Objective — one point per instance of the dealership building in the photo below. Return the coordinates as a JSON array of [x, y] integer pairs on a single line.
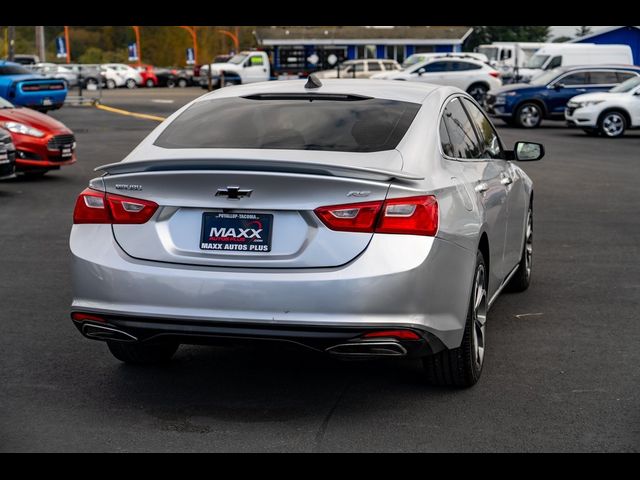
[[616, 36], [291, 48]]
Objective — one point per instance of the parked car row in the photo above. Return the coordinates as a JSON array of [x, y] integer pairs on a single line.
[[603, 99]]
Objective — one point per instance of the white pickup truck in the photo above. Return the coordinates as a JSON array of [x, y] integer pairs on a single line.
[[244, 67]]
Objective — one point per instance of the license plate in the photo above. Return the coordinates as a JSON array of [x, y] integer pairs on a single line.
[[46, 101], [66, 152], [236, 232]]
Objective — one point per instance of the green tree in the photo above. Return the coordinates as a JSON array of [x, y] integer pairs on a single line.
[[91, 55], [489, 34], [561, 39]]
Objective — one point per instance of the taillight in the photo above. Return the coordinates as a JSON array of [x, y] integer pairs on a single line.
[[494, 73], [400, 334], [93, 206], [83, 317], [409, 216]]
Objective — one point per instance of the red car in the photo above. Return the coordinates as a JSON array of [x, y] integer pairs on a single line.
[[42, 143], [148, 75]]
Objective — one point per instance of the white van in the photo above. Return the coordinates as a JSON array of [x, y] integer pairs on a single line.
[[507, 55], [570, 54]]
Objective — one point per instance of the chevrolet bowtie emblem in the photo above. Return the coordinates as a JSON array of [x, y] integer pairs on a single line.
[[233, 193]]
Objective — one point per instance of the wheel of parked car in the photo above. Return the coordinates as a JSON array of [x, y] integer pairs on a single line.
[[612, 124], [141, 353], [171, 83], [111, 84], [149, 83], [522, 278], [529, 115], [478, 91], [130, 83], [461, 367], [90, 81], [182, 82]]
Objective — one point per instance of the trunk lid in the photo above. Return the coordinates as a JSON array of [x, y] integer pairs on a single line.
[[287, 191]]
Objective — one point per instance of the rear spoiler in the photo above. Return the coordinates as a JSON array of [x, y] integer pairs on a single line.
[[256, 165]]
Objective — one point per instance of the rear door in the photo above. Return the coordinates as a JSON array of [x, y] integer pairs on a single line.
[[482, 176]]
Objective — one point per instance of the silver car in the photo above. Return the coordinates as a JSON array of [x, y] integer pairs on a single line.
[[360, 218]]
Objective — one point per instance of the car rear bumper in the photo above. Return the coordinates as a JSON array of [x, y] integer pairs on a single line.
[[407, 281]]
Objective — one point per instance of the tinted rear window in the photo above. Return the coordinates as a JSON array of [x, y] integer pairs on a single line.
[[367, 125], [14, 70]]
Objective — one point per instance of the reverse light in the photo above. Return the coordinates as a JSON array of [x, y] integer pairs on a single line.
[[23, 129], [84, 317], [408, 216], [93, 206]]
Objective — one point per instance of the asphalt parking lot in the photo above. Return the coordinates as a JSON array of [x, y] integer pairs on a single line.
[[561, 372]]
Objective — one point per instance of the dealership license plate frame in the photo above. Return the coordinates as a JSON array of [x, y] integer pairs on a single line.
[[238, 221]]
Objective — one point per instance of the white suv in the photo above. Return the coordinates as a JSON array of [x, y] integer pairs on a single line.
[[361, 68], [607, 113], [471, 75], [131, 78]]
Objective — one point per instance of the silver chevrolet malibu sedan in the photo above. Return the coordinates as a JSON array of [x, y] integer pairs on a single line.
[[361, 218]]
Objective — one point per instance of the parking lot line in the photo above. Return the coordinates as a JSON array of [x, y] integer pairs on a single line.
[[132, 114]]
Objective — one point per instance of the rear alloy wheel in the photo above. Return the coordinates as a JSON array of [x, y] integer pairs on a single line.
[[613, 124], [478, 91], [522, 278], [149, 83], [142, 353], [111, 84], [529, 115], [131, 83], [182, 83], [171, 83], [461, 367]]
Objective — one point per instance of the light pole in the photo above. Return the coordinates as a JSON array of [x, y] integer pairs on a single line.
[[136, 29], [66, 42], [12, 39], [232, 37], [194, 37]]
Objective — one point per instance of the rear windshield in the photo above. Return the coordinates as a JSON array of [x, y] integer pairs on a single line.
[[348, 125], [14, 70]]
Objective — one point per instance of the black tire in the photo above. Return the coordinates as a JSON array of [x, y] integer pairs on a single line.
[[182, 82], [461, 367], [130, 83], [171, 83], [522, 278], [142, 353], [149, 83], [478, 91], [612, 124], [529, 115], [111, 84]]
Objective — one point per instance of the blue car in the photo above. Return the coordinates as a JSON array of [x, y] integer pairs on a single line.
[[22, 87], [527, 104]]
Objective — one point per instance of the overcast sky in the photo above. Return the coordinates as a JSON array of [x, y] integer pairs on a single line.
[[570, 31]]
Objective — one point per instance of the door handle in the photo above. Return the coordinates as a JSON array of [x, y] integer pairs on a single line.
[[481, 187], [506, 180]]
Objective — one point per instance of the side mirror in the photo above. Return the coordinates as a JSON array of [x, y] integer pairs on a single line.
[[558, 86], [637, 94], [528, 151], [421, 71]]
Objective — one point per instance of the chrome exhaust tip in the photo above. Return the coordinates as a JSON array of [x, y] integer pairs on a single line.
[[368, 349], [101, 332]]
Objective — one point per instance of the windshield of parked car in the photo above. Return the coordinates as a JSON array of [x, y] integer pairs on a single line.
[[537, 61], [237, 59], [412, 60], [626, 86], [14, 70], [545, 78], [313, 122], [5, 103], [490, 52]]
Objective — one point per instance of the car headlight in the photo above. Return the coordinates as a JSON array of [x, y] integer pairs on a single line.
[[501, 98], [23, 129]]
